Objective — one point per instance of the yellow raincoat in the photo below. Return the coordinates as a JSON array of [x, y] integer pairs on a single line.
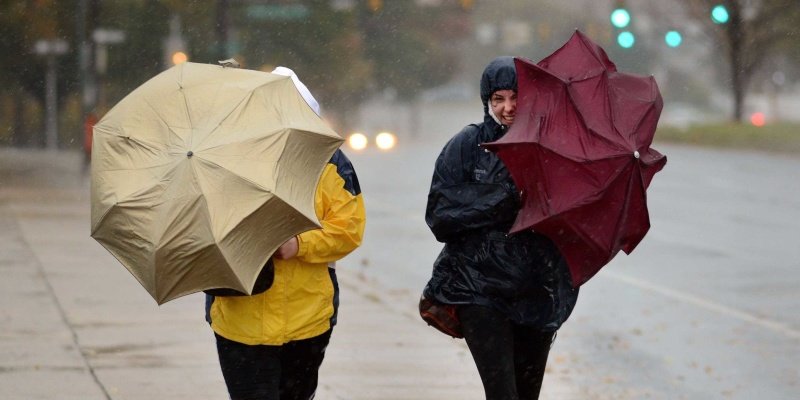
[[303, 299]]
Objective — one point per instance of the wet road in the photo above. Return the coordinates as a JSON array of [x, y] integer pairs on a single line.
[[704, 308]]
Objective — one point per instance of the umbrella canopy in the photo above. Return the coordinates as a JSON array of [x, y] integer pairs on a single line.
[[201, 173], [579, 151]]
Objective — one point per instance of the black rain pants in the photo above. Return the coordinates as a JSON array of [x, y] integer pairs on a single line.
[[261, 372], [510, 358]]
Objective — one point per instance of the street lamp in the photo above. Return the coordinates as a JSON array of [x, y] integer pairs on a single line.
[[104, 37], [51, 48], [174, 45]]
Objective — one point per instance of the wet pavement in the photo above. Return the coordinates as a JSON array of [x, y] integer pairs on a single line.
[[705, 308], [76, 325]]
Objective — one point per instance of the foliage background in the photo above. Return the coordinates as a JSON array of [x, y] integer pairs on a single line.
[[351, 52]]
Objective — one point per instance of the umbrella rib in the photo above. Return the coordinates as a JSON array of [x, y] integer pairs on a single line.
[[136, 169], [244, 101], [594, 55], [188, 113], [255, 184], [155, 111], [583, 121], [225, 144], [605, 72], [247, 180], [143, 143], [236, 176], [185, 272], [186, 103], [223, 119], [625, 209], [636, 128], [616, 176], [639, 123], [594, 194]]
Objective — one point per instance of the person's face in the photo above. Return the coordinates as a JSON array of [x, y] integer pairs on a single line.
[[504, 105]]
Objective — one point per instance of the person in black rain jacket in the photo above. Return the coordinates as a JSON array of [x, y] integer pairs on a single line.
[[512, 292]]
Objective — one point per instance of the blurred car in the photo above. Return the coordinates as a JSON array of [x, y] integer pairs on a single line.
[[384, 141]]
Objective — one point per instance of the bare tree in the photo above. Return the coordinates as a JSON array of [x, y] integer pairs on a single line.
[[753, 31]]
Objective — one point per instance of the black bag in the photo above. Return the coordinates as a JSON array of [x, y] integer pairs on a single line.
[[263, 282], [441, 316]]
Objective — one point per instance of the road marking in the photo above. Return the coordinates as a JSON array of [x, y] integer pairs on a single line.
[[766, 323]]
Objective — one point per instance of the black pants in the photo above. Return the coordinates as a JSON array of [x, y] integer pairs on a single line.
[[261, 372], [510, 358]]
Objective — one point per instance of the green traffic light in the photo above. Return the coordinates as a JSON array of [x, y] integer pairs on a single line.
[[620, 18], [626, 39], [673, 38], [719, 14]]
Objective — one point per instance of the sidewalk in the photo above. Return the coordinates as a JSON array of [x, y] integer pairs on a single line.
[[76, 325]]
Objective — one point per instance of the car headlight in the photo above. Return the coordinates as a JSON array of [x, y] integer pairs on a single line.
[[357, 141], [385, 141]]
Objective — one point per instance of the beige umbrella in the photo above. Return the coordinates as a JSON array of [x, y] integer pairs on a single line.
[[201, 173]]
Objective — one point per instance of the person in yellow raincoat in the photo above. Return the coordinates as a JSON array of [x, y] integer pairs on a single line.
[[271, 344]]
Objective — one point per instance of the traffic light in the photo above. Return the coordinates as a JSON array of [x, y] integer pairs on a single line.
[[620, 17], [626, 39], [673, 38], [719, 14]]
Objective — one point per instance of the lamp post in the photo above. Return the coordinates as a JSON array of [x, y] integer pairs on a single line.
[[102, 38], [51, 48], [174, 45]]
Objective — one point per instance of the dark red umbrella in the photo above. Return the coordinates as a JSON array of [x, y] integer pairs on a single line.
[[579, 151]]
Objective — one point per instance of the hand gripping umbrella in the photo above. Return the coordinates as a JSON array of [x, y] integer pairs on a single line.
[[579, 151], [201, 173]]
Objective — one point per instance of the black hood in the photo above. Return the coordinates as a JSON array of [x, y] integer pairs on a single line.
[[500, 74]]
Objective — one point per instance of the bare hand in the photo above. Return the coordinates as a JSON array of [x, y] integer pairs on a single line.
[[287, 250]]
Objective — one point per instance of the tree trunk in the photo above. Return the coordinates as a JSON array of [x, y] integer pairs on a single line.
[[739, 71], [738, 86]]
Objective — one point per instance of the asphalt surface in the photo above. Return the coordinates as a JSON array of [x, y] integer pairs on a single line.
[[704, 308], [74, 324]]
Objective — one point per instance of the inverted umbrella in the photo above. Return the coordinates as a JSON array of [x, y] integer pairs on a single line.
[[579, 151], [201, 173]]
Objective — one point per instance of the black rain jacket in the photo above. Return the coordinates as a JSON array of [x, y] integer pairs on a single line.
[[471, 206]]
